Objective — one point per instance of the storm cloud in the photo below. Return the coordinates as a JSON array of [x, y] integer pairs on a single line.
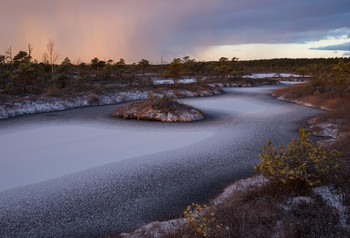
[[135, 29], [342, 47]]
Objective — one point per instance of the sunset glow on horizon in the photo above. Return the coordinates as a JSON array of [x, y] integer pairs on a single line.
[[202, 29]]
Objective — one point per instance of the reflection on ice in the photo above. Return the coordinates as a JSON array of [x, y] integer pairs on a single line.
[[226, 105]]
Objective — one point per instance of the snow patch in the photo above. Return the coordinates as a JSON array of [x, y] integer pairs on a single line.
[[273, 75], [292, 202], [170, 81], [241, 185], [327, 129], [156, 229], [334, 200]]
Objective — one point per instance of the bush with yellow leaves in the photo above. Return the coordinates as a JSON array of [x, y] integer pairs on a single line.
[[302, 162], [201, 220]]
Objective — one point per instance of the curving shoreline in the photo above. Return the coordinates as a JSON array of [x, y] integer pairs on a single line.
[[52, 104]]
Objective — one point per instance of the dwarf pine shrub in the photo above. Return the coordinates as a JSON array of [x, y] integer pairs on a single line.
[[301, 162], [201, 220]]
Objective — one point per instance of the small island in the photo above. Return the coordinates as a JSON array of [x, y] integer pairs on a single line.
[[158, 109]]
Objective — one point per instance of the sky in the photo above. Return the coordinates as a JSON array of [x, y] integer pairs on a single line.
[[155, 29]]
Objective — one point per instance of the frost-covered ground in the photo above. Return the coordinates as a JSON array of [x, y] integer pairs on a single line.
[[274, 75], [100, 175]]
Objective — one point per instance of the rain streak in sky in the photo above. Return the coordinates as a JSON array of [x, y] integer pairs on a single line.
[[203, 29]]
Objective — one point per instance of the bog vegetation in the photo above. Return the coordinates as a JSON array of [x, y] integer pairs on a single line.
[[302, 162]]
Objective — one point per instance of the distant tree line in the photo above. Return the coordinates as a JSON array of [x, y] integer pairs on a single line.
[[21, 75]]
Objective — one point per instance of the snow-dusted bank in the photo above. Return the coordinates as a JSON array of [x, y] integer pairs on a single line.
[[274, 75], [51, 104], [159, 229]]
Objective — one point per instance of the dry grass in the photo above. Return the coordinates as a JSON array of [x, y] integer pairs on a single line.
[[339, 107]]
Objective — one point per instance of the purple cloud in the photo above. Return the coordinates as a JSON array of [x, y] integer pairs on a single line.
[[340, 47]]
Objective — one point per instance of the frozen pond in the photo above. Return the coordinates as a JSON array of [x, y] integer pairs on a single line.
[[82, 173]]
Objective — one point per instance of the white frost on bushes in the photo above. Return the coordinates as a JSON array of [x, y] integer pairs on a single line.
[[334, 200]]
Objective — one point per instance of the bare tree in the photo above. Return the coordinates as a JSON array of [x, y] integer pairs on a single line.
[[50, 56], [8, 53], [30, 50]]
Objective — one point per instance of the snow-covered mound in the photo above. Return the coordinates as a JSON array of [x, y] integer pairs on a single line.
[[158, 109]]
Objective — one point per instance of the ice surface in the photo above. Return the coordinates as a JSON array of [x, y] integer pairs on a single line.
[[33, 155], [272, 75], [292, 82], [229, 104], [170, 81]]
